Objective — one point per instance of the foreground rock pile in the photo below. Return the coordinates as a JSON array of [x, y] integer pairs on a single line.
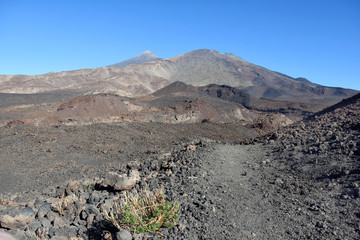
[[324, 146], [319, 162], [76, 210]]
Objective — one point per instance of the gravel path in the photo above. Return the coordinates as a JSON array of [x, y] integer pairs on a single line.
[[256, 196], [240, 186], [247, 203]]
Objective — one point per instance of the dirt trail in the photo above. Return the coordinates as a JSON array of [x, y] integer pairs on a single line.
[[256, 198], [243, 205]]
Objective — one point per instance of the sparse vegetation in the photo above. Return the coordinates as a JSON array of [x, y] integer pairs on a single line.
[[4, 202], [63, 203], [144, 212]]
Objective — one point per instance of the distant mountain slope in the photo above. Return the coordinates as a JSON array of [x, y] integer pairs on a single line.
[[203, 67], [142, 58], [232, 94], [196, 68], [123, 81]]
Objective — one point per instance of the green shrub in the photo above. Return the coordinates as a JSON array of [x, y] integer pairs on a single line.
[[144, 212]]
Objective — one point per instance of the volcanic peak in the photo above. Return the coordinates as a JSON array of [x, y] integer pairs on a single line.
[[145, 57]]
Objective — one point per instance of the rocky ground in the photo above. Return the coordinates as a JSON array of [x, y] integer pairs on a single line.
[[37, 157], [301, 182]]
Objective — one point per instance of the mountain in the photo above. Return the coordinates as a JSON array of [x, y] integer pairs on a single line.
[[142, 58], [203, 67], [196, 68]]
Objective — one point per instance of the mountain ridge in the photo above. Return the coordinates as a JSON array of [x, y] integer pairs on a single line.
[[197, 68]]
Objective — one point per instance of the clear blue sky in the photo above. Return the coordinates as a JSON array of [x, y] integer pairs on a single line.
[[316, 39]]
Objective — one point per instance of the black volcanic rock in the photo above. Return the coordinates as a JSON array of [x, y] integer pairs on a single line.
[[319, 162], [228, 93], [325, 145]]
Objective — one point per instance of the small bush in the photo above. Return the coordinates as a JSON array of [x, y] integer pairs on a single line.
[[144, 212]]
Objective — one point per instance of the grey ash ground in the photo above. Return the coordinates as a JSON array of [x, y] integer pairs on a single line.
[[301, 182]]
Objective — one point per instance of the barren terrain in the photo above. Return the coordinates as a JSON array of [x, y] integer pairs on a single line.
[[300, 182], [36, 157]]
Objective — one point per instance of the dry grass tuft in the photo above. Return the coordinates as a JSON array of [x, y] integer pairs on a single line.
[[41, 234], [64, 202]]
